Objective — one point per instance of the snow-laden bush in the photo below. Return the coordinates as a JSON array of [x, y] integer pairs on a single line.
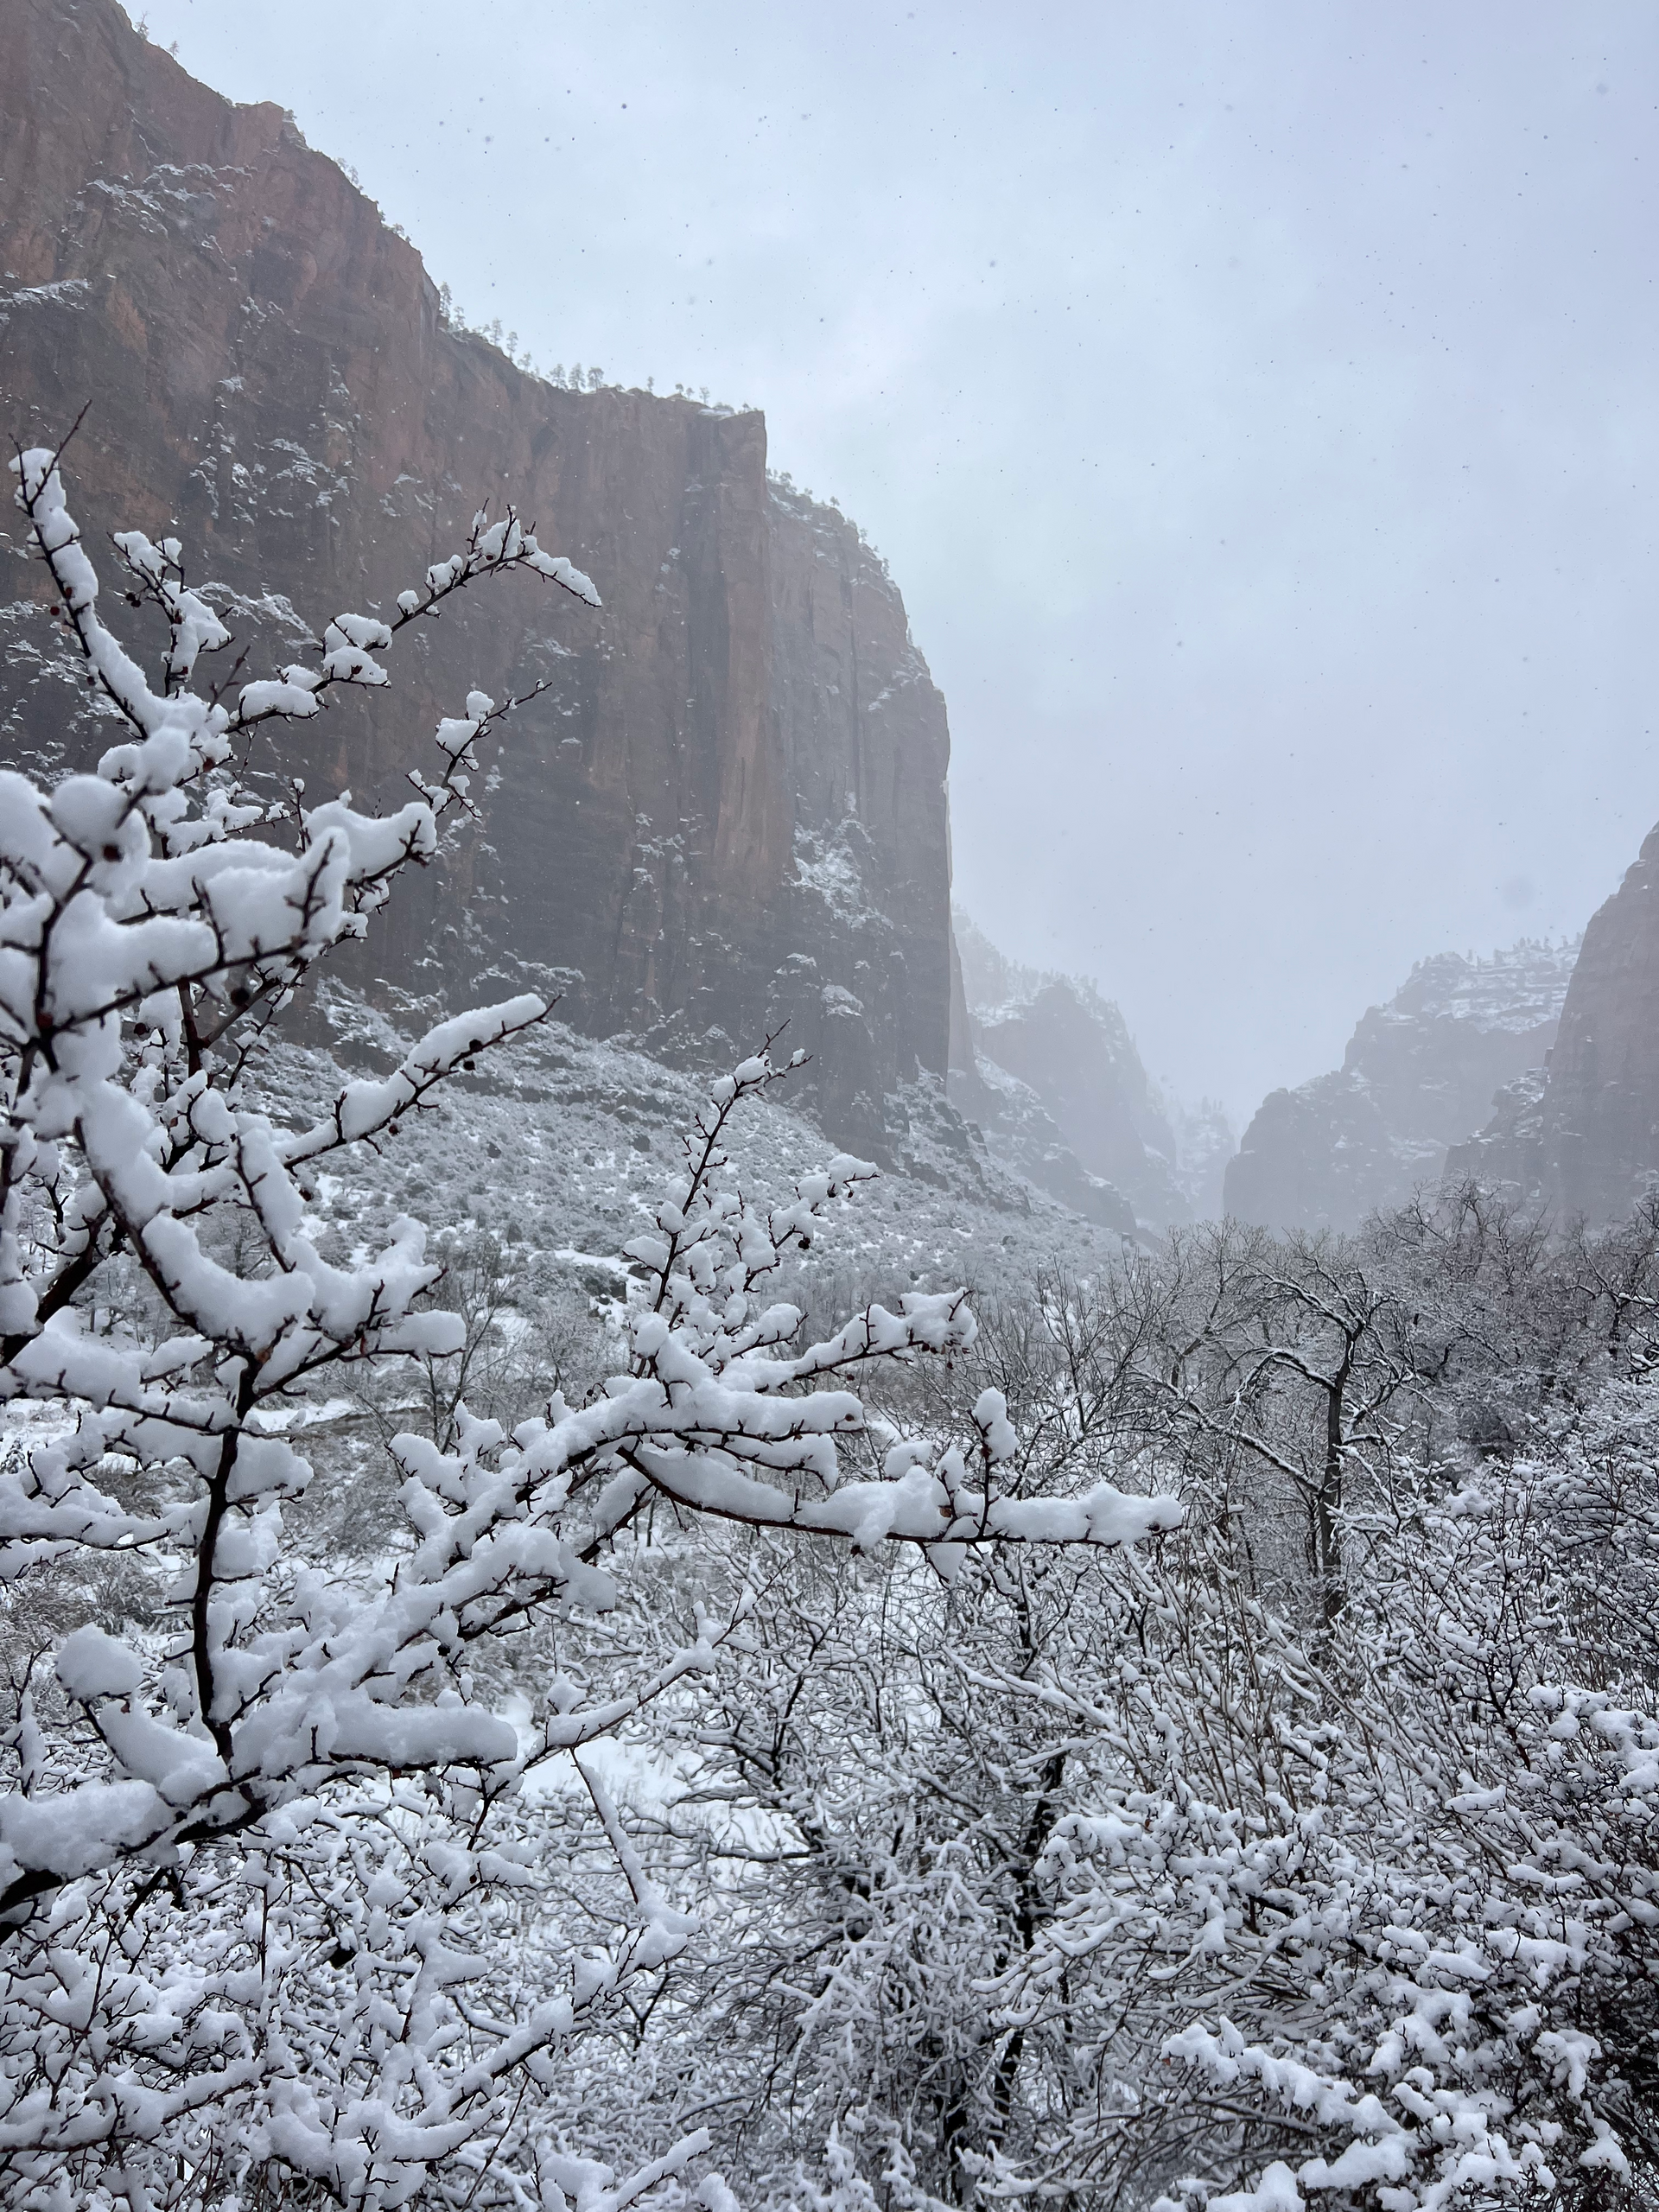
[[1376, 1924], [275, 1870], [1096, 1878]]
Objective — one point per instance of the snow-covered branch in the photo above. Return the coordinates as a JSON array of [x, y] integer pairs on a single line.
[[260, 1837]]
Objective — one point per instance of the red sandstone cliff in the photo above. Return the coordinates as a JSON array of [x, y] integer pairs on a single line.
[[730, 806]]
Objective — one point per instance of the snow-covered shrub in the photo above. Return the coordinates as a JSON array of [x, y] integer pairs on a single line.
[[1094, 1878], [277, 1831], [1396, 1911]]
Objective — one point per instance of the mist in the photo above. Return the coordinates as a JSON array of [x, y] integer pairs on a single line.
[[1253, 404], [674, 1535]]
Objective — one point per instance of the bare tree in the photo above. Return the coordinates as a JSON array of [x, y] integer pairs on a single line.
[[264, 1851]]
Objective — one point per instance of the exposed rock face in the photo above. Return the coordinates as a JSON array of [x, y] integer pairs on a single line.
[[1586, 1140], [1022, 1134], [1072, 1047], [728, 805], [1418, 1074], [1511, 1152], [1048, 1070]]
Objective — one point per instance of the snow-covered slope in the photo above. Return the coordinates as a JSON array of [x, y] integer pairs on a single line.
[[554, 1147]]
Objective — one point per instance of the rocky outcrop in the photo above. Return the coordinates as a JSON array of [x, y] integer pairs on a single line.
[[1074, 1050], [1511, 1153], [1021, 1135], [1047, 1069], [1419, 1075], [728, 806], [1586, 1141]]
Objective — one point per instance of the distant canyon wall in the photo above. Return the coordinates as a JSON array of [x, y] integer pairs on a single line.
[[1047, 1067], [1534, 1072], [1419, 1075], [729, 805], [1583, 1136]]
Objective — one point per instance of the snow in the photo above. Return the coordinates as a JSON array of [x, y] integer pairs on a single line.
[[91, 1664], [952, 1686], [268, 1700], [828, 868], [1518, 987]]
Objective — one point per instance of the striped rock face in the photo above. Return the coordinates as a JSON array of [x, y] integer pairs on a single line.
[[728, 805]]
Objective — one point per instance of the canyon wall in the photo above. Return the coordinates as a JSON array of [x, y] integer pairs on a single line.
[[1073, 1049], [1047, 1070], [728, 805], [1418, 1074], [1584, 1138]]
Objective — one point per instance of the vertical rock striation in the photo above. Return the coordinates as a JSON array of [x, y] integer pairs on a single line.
[[728, 807]]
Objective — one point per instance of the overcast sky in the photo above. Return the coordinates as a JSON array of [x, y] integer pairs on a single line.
[[1255, 402]]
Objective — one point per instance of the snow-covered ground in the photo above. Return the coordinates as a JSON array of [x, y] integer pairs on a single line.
[[558, 1144]]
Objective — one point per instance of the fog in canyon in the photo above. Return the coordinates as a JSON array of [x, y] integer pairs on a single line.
[[1252, 403]]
